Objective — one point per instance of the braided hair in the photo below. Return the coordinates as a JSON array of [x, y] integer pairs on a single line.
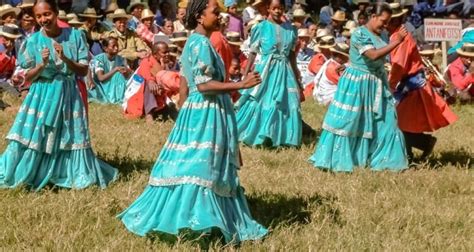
[[193, 12]]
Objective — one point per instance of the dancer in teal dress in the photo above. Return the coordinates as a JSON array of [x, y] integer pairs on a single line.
[[49, 142], [360, 127], [270, 114], [110, 73], [194, 183]]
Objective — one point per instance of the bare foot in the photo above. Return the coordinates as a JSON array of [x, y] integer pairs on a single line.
[[149, 118]]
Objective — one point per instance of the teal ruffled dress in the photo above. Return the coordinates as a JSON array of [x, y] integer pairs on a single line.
[[49, 142], [360, 127], [270, 114], [111, 91], [194, 183]]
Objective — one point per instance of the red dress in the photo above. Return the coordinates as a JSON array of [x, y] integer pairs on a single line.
[[422, 110], [459, 76]]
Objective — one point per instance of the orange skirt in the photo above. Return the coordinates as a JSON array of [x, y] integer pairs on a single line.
[[423, 110]]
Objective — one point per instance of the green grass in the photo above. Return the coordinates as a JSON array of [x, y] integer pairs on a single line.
[[429, 207]]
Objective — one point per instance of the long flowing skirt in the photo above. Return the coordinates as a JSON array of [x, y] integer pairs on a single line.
[[360, 128], [270, 113], [111, 91], [49, 141], [194, 183]]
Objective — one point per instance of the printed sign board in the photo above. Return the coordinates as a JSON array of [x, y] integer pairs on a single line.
[[443, 29]]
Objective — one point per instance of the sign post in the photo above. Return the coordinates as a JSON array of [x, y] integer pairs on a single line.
[[443, 30]]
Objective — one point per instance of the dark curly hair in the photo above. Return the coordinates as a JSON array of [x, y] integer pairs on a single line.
[[194, 10], [378, 8], [51, 3]]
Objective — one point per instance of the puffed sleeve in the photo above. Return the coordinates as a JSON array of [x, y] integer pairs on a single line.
[[255, 38], [361, 41], [82, 48], [203, 62], [26, 57], [98, 64]]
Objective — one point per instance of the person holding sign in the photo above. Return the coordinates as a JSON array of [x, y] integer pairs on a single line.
[[420, 109], [360, 127]]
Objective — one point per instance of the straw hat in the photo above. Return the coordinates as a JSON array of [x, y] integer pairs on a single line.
[[349, 28], [397, 10], [6, 8], [179, 36], [173, 50], [74, 20], [303, 32], [299, 13], [339, 16], [322, 33], [467, 50], [427, 50], [258, 2], [10, 31], [71, 16], [119, 13], [62, 15], [26, 4], [327, 42], [183, 4], [90, 13], [135, 3], [147, 13], [234, 38], [341, 48], [112, 7]]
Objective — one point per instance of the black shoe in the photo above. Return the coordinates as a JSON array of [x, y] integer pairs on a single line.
[[429, 148]]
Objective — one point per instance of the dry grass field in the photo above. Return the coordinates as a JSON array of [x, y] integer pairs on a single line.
[[428, 207]]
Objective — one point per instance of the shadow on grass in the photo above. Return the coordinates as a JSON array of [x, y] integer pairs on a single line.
[[269, 209], [459, 157], [273, 210], [127, 164]]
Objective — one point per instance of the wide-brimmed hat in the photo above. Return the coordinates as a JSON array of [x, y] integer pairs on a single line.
[[322, 32], [90, 13], [397, 10], [349, 28], [111, 7], [135, 3], [339, 16], [183, 4], [26, 4], [327, 42], [467, 50], [74, 20], [173, 50], [258, 2], [70, 16], [119, 13], [147, 13], [303, 32], [427, 50], [340, 48], [62, 15], [234, 38], [299, 13], [179, 36], [6, 8], [10, 31], [362, 2]]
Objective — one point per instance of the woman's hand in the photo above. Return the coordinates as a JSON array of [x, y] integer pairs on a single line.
[[251, 80], [45, 56], [401, 34], [59, 50]]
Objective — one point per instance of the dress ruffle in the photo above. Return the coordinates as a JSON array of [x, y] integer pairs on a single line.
[[111, 91], [172, 209]]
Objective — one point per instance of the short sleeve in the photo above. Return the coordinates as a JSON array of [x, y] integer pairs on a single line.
[[26, 57], [82, 48], [361, 41], [98, 64], [203, 62], [255, 39]]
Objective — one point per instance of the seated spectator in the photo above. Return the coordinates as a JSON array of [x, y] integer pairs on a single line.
[[261, 6], [27, 26], [235, 21], [167, 28], [165, 11], [107, 22], [146, 29], [327, 12], [222, 46], [160, 85], [312, 30], [110, 74], [130, 45], [179, 39], [338, 21], [249, 12], [8, 14], [328, 76], [135, 9], [362, 19], [461, 71], [178, 24], [74, 22], [299, 17], [325, 43], [9, 33], [304, 55], [94, 29], [347, 31]]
